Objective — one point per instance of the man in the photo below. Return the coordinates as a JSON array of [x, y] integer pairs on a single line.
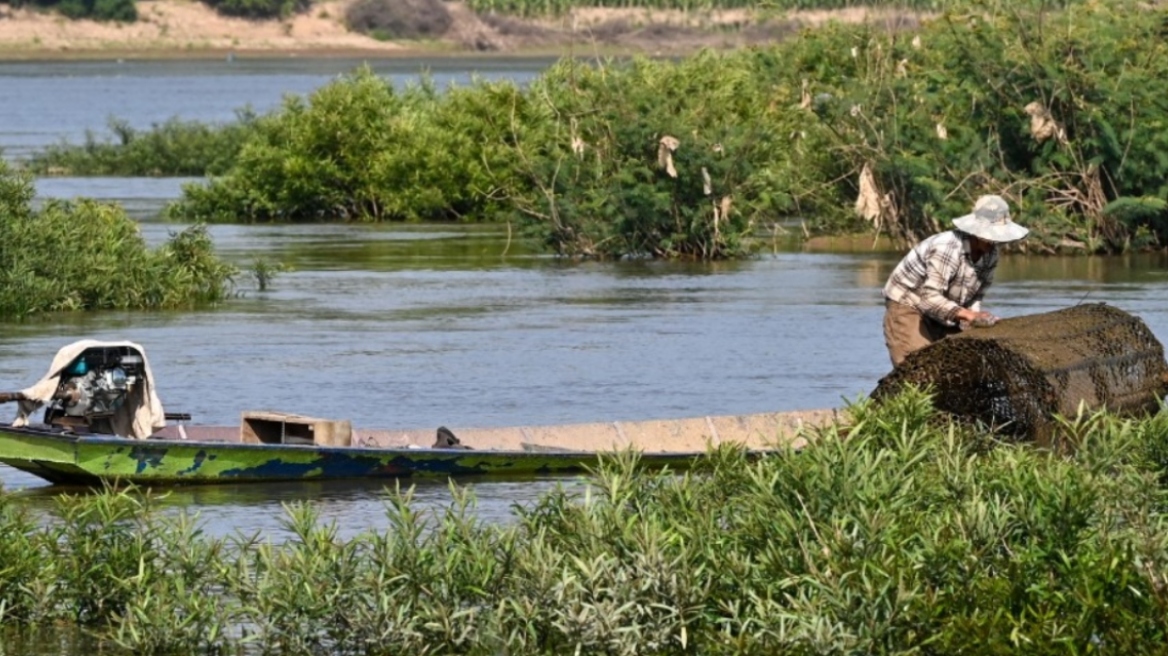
[[939, 285]]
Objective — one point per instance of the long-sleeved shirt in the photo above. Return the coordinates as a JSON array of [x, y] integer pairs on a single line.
[[938, 277]]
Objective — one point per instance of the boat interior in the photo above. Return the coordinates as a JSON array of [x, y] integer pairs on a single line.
[[756, 431]]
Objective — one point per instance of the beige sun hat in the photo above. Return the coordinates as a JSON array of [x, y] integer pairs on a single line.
[[990, 220]]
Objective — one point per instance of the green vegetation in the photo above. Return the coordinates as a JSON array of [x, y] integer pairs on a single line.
[[910, 536], [125, 11], [86, 255], [358, 150], [1055, 110], [259, 9], [175, 148]]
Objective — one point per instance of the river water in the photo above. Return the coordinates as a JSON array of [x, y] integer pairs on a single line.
[[424, 326]]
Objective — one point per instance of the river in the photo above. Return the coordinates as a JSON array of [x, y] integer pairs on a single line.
[[425, 326]]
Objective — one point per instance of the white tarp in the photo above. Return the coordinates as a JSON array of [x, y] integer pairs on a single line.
[[140, 415]]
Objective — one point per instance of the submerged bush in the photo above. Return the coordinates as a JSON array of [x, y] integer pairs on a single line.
[[842, 128], [910, 536], [646, 159], [1052, 109], [357, 150], [85, 255], [174, 148]]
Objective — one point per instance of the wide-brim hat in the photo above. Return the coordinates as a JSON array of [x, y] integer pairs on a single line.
[[990, 220]]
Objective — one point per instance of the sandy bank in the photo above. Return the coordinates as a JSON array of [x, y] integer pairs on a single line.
[[187, 28]]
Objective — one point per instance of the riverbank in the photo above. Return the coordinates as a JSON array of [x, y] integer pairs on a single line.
[[189, 29]]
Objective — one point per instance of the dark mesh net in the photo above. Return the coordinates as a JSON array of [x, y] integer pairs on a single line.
[[1019, 373]]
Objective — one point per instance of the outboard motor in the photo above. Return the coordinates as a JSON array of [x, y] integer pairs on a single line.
[[94, 386]]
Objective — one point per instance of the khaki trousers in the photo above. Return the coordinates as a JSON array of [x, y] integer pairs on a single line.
[[907, 330]]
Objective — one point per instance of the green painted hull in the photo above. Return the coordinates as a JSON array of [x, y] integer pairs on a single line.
[[86, 459]]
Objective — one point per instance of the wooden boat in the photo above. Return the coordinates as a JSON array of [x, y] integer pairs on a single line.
[[221, 454], [77, 442]]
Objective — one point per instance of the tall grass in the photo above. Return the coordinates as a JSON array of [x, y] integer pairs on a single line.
[[906, 535]]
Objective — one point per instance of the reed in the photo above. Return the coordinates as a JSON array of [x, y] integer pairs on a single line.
[[910, 535]]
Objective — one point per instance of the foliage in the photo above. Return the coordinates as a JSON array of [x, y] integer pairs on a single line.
[[125, 11], [399, 19], [1054, 109], [259, 9], [357, 150], [642, 160], [912, 535], [174, 148], [265, 271], [85, 255]]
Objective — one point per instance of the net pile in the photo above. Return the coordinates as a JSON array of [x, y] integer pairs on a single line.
[[1017, 374]]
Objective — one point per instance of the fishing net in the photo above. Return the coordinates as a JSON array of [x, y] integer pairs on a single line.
[[1020, 372]]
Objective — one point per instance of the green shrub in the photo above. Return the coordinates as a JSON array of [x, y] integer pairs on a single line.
[[125, 11], [174, 148], [259, 9], [950, 112], [648, 158], [356, 150], [84, 255], [936, 116]]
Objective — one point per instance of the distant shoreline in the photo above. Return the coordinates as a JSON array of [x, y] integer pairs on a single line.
[[188, 29], [308, 53]]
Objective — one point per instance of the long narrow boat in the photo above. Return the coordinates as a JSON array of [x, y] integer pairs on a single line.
[[103, 422], [203, 454]]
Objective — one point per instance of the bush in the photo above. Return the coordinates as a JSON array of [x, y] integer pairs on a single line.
[[1072, 136], [125, 11], [259, 9], [653, 158], [84, 255], [175, 148], [358, 150], [1063, 131], [399, 19]]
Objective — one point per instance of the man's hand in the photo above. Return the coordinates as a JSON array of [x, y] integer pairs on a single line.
[[969, 318]]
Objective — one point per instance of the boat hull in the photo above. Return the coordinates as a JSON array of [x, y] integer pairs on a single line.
[[210, 454], [73, 459]]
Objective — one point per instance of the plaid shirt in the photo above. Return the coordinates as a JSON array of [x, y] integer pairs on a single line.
[[937, 277]]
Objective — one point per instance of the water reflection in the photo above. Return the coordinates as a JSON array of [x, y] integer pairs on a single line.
[[231, 510]]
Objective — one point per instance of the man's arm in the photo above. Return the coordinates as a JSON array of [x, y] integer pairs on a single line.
[[940, 269]]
